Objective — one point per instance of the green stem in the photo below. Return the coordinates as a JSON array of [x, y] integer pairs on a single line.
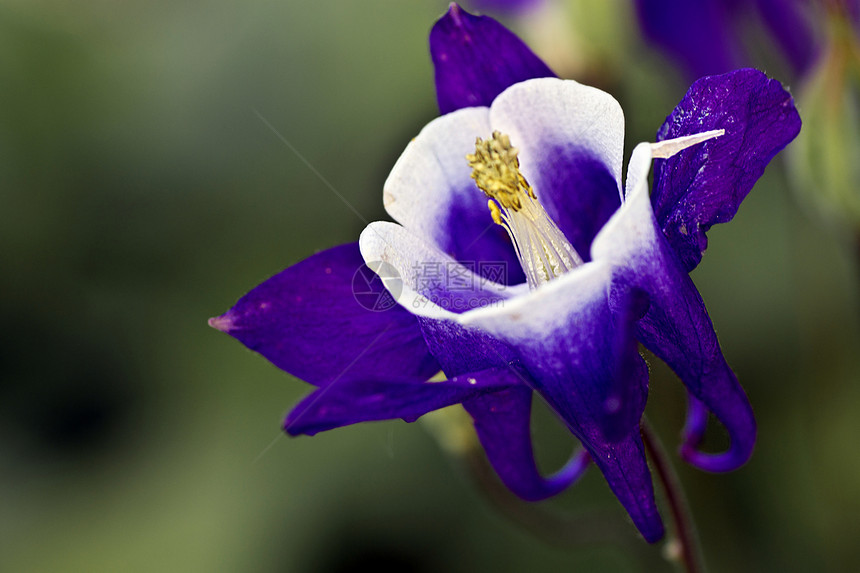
[[685, 531]]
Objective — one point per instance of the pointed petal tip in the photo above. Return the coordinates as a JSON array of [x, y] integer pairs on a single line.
[[455, 14], [654, 533], [223, 323]]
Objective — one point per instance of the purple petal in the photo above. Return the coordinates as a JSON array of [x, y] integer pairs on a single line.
[[705, 184], [348, 402], [695, 33], [327, 318], [677, 329], [503, 423], [476, 58]]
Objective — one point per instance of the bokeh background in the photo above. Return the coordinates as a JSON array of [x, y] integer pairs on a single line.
[[143, 189]]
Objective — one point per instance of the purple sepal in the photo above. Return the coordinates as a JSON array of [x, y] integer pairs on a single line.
[[309, 321], [697, 34], [695, 425], [503, 423], [705, 184], [626, 471], [348, 402], [462, 350], [476, 58], [678, 330]]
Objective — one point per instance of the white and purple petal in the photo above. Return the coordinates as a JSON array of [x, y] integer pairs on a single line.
[[430, 192], [308, 321], [570, 139], [676, 326], [574, 336], [704, 185], [475, 59]]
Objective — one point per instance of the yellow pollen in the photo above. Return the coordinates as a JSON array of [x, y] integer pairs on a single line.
[[495, 212], [496, 171]]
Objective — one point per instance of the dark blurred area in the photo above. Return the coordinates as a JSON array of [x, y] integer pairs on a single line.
[[158, 160]]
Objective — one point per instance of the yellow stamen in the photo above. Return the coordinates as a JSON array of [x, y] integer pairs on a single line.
[[495, 212], [541, 247]]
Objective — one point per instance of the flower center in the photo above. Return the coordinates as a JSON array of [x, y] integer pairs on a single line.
[[542, 249]]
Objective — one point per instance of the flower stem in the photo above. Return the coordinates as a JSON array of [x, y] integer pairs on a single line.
[[685, 531]]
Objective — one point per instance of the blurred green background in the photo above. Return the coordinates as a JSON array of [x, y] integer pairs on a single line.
[[143, 192]]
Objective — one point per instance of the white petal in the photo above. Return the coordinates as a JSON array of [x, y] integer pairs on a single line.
[[631, 230], [432, 174]]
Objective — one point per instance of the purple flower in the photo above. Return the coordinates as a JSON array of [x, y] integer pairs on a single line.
[[704, 36], [597, 267]]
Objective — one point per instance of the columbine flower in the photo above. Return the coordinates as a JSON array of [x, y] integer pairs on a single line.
[[704, 36], [600, 266]]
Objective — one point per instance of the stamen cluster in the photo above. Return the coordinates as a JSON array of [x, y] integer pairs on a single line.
[[542, 249], [496, 171]]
